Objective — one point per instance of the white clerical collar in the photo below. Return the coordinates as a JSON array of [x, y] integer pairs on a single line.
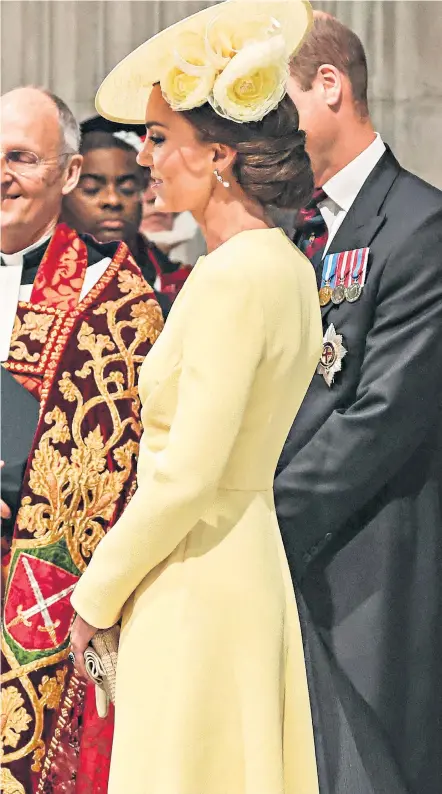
[[344, 186], [17, 258]]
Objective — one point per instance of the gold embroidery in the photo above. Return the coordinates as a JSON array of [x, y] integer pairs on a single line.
[[51, 689], [82, 486], [38, 714], [74, 686], [36, 326], [148, 318], [78, 493], [18, 671], [14, 719], [8, 783], [38, 755], [43, 326], [132, 282]]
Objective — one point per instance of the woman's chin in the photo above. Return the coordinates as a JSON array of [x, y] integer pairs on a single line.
[[161, 205]]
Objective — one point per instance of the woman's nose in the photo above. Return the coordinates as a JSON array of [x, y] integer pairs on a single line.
[[144, 158]]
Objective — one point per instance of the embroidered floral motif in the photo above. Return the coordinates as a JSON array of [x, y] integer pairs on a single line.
[[15, 718], [148, 319], [51, 689], [61, 273], [34, 338], [132, 282], [36, 326], [82, 488], [8, 783]]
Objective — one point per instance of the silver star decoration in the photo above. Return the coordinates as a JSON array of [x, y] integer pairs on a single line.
[[333, 351]]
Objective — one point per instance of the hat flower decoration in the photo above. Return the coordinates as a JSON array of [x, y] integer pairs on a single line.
[[240, 69], [233, 55]]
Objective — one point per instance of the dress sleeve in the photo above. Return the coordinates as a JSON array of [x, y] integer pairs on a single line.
[[222, 348]]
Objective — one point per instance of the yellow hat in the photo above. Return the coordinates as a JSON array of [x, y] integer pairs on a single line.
[[233, 55]]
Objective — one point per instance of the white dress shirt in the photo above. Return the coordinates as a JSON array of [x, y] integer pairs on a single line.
[[344, 186], [12, 290]]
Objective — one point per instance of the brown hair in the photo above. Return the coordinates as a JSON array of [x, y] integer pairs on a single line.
[[271, 163], [329, 41]]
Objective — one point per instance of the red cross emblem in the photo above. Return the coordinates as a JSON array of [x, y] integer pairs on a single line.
[[38, 612], [329, 355]]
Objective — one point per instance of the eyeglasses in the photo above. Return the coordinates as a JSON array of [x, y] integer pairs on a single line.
[[27, 163]]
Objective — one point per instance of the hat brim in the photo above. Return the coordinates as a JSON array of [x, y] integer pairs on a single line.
[[124, 93]]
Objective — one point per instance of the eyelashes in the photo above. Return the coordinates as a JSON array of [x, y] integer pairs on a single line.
[[156, 139]]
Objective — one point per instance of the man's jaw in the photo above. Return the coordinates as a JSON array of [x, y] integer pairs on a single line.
[[18, 235]]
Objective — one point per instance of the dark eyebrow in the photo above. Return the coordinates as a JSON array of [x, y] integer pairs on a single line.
[[101, 178], [150, 124], [133, 175], [97, 177]]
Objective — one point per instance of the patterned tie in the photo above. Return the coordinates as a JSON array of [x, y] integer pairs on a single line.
[[311, 231]]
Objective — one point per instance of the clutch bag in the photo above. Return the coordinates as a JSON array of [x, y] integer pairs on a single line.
[[101, 665]]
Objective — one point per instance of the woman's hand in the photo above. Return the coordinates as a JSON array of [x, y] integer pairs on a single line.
[[81, 635], [4, 509]]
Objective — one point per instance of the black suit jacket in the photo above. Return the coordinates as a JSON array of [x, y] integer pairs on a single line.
[[359, 500]]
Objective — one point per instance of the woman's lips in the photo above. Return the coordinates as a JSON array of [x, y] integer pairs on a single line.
[[155, 183]]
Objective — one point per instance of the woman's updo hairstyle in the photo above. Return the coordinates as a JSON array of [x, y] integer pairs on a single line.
[[272, 165]]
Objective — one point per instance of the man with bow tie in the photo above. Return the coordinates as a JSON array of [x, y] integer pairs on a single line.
[[76, 320], [358, 488]]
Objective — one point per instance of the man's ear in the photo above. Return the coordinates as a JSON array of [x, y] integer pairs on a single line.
[[329, 81], [72, 173]]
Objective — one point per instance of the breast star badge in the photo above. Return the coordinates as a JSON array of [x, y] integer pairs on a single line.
[[333, 351]]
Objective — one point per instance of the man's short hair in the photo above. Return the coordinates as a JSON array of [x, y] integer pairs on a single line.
[[329, 41], [98, 139], [70, 130]]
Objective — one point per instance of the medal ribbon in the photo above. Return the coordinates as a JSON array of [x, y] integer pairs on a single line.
[[344, 265], [329, 269], [358, 267]]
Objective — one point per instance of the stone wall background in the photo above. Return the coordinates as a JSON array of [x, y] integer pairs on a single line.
[[69, 45]]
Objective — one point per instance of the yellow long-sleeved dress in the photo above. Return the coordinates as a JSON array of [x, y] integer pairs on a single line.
[[211, 687]]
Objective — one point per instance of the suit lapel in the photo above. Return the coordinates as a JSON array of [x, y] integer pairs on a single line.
[[366, 217]]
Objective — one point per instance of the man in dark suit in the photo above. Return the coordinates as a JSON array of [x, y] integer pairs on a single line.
[[358, 487]]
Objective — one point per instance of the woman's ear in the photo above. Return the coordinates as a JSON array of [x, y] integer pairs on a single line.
[[223, 157]]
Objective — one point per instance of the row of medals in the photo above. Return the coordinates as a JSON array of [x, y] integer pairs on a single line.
[[339, 294]]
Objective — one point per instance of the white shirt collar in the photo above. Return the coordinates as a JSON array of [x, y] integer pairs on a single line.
[[183, 229], [344, 186], [17, 258]]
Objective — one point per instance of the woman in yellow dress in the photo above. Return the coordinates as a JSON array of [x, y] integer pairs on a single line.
[[211, 687]]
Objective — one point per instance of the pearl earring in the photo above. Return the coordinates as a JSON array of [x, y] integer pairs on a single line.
[[220, 179]]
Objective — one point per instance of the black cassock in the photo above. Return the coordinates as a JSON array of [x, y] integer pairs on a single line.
[[359, 499]]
